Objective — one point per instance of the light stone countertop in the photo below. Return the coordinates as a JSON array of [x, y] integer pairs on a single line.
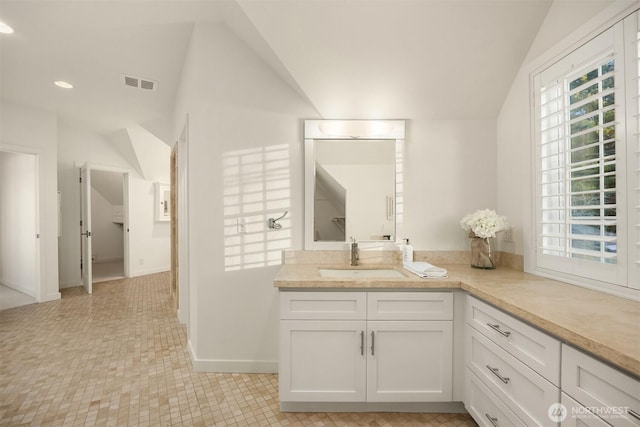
[[601, 324]]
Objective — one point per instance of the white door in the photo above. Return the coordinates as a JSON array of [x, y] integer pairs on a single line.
[[409, 361], [85, 238], [322, 361]]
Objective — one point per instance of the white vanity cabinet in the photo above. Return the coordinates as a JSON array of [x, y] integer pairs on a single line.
[[515, 362], [366, 346]]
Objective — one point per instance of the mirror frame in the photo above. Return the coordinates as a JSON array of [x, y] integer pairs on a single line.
[[348, 130]]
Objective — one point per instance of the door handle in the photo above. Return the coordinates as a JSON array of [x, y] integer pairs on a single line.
[[361, 343], [86, 233], [373, 342]]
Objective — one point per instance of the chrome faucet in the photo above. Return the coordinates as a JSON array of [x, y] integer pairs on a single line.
[[355, 253]]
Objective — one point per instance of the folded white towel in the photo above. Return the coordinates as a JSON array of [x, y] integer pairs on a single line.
[[424, 269]]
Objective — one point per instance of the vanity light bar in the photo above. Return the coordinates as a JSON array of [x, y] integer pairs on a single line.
[[354, 129]]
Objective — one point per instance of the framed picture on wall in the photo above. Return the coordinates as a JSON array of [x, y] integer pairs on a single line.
[[163, 199]]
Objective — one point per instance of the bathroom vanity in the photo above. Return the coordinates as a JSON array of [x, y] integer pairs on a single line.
[[366, 346], [503, 345]]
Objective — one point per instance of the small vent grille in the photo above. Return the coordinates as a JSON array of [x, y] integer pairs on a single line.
[[140, 83], [147, 84], [130, 81]]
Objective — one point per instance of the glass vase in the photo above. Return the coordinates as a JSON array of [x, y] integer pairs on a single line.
[[482, 252]]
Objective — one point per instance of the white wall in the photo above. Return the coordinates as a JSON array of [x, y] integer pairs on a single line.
[[18, 222], [563, 27], [449, 171], [34, 131], [149, 240], [78, 146], [235, 102], [106, 236]]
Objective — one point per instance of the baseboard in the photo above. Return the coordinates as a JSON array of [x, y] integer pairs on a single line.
[[232, 366], [180, 319], [148, 271], [52, 297], [428, 407], [19, 288]]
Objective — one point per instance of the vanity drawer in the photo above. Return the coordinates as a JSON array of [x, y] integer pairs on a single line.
[[485, 407], [536, 349], [410, 306], [601, 388], [523, 390], [577, 415], [323, 305]]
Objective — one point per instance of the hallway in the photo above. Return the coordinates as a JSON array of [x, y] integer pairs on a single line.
[[118, 358]]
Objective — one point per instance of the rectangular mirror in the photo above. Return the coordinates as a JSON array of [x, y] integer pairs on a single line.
[[353, 171]]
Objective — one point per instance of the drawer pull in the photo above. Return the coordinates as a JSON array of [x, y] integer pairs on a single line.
[[498, 330], [633, 413], [361, 343], [493, 421], [496, 372]]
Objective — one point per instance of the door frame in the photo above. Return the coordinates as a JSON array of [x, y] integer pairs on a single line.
[[39, 262], [85, 230], [182, 226], [173, 214], [125, 200]]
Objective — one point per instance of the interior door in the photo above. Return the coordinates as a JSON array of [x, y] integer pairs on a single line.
[[85, 228]]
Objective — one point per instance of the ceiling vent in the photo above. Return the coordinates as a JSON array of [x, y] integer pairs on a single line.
[[140, 83]]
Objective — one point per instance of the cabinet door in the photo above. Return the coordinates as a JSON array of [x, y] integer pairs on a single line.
[[409, 361], [322, 361]]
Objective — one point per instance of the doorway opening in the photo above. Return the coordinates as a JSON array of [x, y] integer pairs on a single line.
[[19, 228], [107, 219], [104, 225]]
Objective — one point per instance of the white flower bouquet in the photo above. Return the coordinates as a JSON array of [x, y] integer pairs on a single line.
[[483, 223]]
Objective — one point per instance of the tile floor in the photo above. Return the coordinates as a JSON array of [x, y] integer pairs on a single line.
[[118, 358]]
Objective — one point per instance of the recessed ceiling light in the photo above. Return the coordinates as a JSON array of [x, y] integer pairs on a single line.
[[63, 84], [5, 29]]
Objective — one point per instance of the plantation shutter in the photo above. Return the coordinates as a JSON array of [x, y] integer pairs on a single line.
[[580, 141]]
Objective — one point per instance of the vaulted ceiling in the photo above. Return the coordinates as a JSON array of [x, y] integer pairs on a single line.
[[352, 59]]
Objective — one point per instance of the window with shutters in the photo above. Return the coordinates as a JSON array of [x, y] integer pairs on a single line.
[[586, 123]]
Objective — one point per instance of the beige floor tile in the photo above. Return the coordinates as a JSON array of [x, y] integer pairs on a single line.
[[118, 358]]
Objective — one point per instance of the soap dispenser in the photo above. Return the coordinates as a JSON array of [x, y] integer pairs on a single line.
[[407, 251]]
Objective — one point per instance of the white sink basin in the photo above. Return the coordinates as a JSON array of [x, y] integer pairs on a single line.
[[354, 273]]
